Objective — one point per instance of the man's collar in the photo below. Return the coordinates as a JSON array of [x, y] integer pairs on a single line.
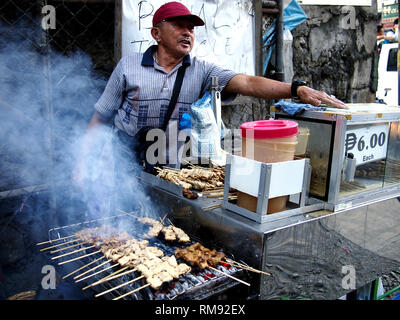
[[148, 60]]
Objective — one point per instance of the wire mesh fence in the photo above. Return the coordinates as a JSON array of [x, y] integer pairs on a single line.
[[65, 25]]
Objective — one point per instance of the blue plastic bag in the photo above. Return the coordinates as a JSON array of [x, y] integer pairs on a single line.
[[293, 16]]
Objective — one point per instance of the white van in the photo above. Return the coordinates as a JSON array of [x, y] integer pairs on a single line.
[[387, 75]]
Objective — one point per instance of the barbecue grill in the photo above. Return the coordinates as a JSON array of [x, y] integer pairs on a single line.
[[77, 261], [304, 252]]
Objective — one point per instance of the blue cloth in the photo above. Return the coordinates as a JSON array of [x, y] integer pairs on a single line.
[[293, 108], [293, 15]]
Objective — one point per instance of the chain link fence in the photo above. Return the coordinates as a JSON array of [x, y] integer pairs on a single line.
[[66, 26]]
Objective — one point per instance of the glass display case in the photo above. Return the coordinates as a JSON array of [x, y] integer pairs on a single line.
[[354, 153]]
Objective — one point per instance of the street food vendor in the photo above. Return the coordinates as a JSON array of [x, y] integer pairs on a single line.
[[141, 86]]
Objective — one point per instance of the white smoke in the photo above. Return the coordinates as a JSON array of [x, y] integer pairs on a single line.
[[46, 102]]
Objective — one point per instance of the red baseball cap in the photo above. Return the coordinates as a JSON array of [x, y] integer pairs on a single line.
[[175, 9]]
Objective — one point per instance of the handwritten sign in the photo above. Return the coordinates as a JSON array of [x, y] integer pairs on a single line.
[[227, 39], [368, 143]]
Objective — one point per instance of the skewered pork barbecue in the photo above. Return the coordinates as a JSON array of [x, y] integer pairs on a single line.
[[129, 252], [155, 227], [171, 233], [198, 255], [159, 270]]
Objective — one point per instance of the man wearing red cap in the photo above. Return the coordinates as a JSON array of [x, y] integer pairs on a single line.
[[171, 51], [140, 87]]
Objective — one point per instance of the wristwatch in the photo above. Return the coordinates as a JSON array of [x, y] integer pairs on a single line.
[[294, 87]]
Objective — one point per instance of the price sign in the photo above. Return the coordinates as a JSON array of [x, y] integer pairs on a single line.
[[367, 143]]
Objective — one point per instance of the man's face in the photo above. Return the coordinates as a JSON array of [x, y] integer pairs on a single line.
[[176, 36]]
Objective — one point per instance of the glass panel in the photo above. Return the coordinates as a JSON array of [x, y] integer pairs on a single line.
[[392, 60], [392, 170], [364, 164], [316, 136]]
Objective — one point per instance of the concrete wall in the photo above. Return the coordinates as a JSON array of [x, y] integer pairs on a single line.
[[335, 50]]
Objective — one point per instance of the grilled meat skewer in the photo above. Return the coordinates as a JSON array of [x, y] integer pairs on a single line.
[[198, 255], [171, 233], [131, 253]]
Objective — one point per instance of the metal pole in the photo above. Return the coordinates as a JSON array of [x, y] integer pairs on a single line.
[[279, 43], [117, 31], [258, 20], [398, 62]]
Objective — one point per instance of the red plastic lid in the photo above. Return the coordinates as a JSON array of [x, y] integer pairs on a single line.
[[269, 129]]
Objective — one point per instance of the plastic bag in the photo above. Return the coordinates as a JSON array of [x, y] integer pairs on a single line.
[[204, 134]]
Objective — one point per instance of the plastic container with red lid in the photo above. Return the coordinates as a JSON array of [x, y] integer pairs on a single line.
[[269, 129], [268, 141]]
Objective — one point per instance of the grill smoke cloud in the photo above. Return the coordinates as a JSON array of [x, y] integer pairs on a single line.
[[46, 102]]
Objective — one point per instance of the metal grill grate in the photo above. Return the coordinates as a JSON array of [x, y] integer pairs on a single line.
[[198, 284]]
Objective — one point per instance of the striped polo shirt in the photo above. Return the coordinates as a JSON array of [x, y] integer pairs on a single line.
[[139, 90]]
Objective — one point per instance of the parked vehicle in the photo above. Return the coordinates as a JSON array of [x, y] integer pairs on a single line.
[[387, 90]]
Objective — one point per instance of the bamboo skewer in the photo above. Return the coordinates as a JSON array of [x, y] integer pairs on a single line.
[[86, 265], [229, 198], [229, 276], [121, 274], [133, 216], [129, 293], [92, 269], [74, 245], [239, 264], [171, 222], [119, 286], [100, 271], [75, 251], [245, 267], [214, 194], [51, 241], [162, 220], [57, 245], [213, 191], [77, 258], [105, 278], [212, 207], [129, 214]]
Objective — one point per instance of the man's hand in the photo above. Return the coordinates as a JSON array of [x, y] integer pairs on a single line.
[[316, 98]]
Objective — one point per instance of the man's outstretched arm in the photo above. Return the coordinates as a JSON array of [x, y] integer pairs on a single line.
[[261, 87]]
